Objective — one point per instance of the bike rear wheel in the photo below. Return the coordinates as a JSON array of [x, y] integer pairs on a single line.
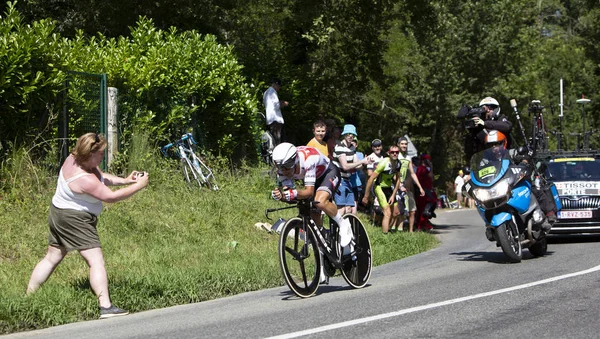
[[205, 174], [299, 258], [357, 270], [188, 173]]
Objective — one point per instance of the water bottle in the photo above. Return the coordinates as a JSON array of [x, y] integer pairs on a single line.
[[537, 182]]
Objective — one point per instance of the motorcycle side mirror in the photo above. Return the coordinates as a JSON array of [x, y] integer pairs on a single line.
[[522, 150]]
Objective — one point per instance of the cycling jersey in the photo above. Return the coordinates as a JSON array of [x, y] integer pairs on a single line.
[[312, 165], [405, 161], [386, 172]]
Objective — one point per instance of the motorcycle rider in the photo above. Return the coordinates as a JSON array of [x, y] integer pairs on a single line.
[[497, 142]]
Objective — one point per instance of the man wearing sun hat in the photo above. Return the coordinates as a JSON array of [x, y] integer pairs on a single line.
[[344, 157]]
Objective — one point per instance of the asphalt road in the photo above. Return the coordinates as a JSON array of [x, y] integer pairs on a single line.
[[462, 289]]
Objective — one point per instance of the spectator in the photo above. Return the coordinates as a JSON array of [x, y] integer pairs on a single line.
[[376, 156], [344, 157], [357, 179], [458, 184], [410, 202], [385, 185], [425, 175], [407, 168], [74, 211], [319, 130], [273, 110]]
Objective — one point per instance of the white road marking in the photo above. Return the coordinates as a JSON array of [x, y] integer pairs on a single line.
[[429, 306]]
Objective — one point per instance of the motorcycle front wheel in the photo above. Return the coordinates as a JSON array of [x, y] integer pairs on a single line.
[[508, 237]]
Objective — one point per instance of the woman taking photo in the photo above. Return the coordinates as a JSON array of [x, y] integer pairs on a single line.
[[81, 189]]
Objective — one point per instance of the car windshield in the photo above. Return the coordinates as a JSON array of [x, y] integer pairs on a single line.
[[574, 169], [487, 164]]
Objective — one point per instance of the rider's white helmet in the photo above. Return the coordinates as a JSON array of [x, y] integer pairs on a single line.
[[284, 155], [492, 103]]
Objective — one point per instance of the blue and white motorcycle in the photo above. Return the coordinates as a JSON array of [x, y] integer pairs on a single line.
[[505, 202]]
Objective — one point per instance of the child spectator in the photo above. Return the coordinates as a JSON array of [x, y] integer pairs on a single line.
[[319, 130]]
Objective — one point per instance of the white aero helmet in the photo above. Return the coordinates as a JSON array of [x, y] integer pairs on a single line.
[[284, 155], [493, 103]]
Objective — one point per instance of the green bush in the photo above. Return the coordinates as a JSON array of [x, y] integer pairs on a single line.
[[30, 79]]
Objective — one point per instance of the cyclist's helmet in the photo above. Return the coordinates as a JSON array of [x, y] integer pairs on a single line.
[[284, 155], [494, 138], [492, 104]]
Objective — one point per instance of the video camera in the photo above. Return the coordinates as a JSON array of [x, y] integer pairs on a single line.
[[535, 107], [467, 113]]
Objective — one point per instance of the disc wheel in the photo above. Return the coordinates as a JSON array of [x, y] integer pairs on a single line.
[[357, 269], [299, 258]]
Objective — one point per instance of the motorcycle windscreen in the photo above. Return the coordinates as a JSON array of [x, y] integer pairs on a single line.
[[488, 164]]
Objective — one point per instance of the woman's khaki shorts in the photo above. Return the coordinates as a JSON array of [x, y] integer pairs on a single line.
[[73, 230]]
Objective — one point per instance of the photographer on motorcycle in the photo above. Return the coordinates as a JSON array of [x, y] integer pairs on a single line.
[[479, 119]]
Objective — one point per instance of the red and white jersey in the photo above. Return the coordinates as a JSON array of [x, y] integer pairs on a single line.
[[312, 165]]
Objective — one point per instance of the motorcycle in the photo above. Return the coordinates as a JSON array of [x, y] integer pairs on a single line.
[[505, 202]]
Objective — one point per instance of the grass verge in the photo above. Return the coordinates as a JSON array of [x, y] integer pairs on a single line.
[[165, 246]]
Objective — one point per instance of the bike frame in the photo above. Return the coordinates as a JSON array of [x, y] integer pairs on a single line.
[[304, 208]]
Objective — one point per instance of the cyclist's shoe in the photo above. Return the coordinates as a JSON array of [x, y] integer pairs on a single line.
[[345, 233], [112, 311]]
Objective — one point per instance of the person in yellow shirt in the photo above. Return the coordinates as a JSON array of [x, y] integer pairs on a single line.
[[319, 129]]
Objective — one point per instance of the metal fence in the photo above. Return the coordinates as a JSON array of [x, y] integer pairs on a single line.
[[84, 110]]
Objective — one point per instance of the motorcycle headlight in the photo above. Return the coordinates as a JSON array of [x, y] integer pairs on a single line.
[[499, 190]]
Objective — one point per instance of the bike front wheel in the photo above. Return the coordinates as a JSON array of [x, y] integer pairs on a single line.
[[357, 269], [299, 258]]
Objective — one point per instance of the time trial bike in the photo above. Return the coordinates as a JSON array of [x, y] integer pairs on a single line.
[[306, 250]]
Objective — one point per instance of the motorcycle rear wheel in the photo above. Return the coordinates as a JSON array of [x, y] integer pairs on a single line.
[[508, 237]]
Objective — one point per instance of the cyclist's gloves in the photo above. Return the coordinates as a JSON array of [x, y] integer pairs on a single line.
[[289, 195], [275, 195]]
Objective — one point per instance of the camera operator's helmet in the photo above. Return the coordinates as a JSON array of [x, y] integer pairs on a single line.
[[492, 104], [495, 138], [284, 155]]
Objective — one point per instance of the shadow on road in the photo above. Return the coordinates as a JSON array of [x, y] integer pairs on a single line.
[[493, 257], [323, 289]]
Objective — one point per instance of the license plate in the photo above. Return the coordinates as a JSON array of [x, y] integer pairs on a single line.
[[574, 214]]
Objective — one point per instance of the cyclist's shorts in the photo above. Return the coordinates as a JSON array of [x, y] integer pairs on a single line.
[[329, 181], [383, 194]]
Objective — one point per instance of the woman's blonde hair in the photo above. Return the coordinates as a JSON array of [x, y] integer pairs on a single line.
[[86, 145]]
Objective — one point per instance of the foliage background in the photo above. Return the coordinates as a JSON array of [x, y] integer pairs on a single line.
[[390, 67]]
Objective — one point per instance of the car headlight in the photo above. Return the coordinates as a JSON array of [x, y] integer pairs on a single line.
[[499, 190]]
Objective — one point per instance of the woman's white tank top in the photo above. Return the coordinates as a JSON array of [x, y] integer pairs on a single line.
[[64, 198]]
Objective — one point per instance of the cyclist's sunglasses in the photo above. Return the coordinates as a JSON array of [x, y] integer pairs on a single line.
[[393, 152], [290, 163]]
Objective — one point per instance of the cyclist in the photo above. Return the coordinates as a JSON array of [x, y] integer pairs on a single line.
[[321, 179]]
